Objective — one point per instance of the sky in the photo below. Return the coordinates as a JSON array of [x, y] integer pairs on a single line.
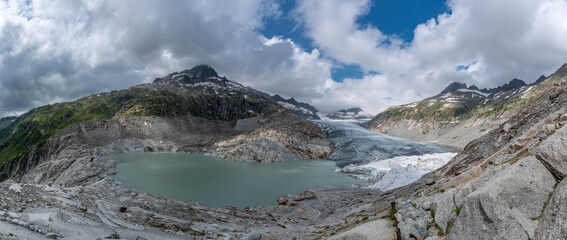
[[333, 54]]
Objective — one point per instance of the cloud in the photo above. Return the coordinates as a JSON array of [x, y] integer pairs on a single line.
[[52, 51], [497, 40]]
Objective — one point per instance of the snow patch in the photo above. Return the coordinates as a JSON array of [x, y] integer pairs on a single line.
[[526, 92], [295, 108], [15, 187], [411, 105], [473, 91], [399, 171]]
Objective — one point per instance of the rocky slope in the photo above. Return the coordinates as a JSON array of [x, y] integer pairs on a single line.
[[457, 115], [507, 184], [194, 110]]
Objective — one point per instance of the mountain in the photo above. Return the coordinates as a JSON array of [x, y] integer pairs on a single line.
[[458, 114], [194, 110], [6, 121], [301, 109], [355, 113]]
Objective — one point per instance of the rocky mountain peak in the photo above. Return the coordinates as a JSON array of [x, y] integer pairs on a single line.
[[473, 87], [453, 87], [196, 75], [514, 84], [539, 80], [561, 72], [202, 71], [354, 109]]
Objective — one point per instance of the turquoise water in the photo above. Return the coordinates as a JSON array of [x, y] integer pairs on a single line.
[[218, 183]]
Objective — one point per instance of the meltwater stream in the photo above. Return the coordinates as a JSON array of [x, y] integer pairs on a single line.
[[386, 162]]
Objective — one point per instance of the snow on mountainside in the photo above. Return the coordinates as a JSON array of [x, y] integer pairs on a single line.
[[301, 109], [459, 113], [458, 101], [205, 78], [355, 113]]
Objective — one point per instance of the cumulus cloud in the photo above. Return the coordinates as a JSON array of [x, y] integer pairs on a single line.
[[483, 42], [52, 51]]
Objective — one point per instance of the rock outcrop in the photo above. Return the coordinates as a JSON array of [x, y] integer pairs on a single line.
[[553, 153], [553, 221], [282, 137], [507, 205]]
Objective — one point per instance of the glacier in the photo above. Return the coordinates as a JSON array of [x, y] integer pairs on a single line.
[[386, 161]]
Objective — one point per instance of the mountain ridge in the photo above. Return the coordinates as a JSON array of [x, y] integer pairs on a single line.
[[353, 113], [434, 119]]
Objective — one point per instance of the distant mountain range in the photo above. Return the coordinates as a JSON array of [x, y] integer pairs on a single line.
[[355, 113], [472, 109], [306, 111], [301, 109]]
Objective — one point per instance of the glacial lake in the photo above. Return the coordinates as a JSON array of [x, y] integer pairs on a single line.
[[219, 183]]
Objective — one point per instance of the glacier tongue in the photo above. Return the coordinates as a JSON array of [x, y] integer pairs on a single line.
[[388, 162], [399, 171]]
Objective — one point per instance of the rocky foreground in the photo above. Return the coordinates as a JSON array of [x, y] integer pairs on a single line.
[[31, 211]]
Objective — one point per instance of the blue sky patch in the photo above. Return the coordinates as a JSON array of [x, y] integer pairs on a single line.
[[392, 17]]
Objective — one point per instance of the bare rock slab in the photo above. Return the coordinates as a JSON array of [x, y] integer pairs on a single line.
[[553, 153], [508, 205], [553, 222]]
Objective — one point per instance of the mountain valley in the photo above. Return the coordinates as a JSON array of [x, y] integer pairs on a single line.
[[507, 181]]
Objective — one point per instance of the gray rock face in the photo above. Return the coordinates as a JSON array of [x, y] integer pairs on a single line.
[[553, 154], [444, 208], [508, 205], [553, 222], [282, 137]]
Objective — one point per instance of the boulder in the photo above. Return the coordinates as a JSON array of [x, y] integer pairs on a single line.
[[253, 236], [507, 205], [553, 222], [553, 153], [443, 206]]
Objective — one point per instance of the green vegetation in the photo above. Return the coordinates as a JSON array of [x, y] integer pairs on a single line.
[[32, 129], [524, 153], [448, 228], [458, 211], [393, 216], [434, 224]]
